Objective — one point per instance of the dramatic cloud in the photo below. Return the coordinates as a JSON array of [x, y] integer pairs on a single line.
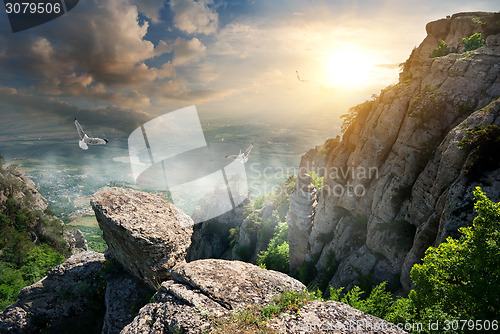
[[150, 8], [186, 51], [195, 16], [100, 47], [46, 112]]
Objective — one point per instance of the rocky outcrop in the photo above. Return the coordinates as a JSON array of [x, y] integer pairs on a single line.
[[70, 296], [16, 186], [91, 294], [205, 288], [146, 234], [299, 219], [397, 182], [447, 183], [211, 238], [124, 297], [331, 317], [13, 183]]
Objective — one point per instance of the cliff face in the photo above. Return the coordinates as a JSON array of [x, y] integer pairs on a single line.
[[397, 182], [16, 186], [148, 240]]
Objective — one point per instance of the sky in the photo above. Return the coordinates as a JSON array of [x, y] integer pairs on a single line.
[[115, 64]]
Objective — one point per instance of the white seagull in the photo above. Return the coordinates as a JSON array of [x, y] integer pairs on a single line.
[[242, 157], [86, 140], [299, 79]]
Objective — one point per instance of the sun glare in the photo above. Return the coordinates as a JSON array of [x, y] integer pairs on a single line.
[[349, 68]]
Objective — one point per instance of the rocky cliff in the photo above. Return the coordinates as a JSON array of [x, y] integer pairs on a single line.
[[144, 285], [398, 182], [14, 185]]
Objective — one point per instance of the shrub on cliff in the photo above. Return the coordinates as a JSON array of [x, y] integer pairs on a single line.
[[277, 255], [442, 50], [457, 283], [461, 277], [473, 42]]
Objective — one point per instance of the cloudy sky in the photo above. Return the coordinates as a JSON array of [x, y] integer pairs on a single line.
[[116, 64]]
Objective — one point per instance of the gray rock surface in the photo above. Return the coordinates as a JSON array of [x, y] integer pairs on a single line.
[[331, 317], [124, 297], [208, 288], [146, 234], [211, 238], [70, 295], [300, 218], [397, 182]]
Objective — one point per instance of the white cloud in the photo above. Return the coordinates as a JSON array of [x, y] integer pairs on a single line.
[[186, 51], [238, 39], [195, 16]]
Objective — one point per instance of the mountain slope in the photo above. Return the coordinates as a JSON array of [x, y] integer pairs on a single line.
[[398, 182]]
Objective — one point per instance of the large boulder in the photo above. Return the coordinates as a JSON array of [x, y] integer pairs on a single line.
[[208, 288], [145, 233]]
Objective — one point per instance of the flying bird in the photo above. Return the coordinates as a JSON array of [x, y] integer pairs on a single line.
[[299, 79], [242, 157], [86, 140]]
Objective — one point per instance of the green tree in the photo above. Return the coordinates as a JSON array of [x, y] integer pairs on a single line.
[[276, 256], [38, 261], [473, 42], [11, 282], [461, 277], [317, 181]]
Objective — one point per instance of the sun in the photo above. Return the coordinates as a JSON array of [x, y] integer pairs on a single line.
[[348, 68]]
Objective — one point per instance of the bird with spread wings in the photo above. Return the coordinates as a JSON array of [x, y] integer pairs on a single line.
[[85, 140], [242, 157]]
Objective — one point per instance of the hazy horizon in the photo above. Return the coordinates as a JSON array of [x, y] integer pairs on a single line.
[[117, 64]]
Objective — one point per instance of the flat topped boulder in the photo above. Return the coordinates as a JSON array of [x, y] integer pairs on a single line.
[[234, 284], [145, 233]]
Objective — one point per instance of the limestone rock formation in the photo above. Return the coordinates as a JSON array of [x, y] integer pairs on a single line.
[[69, 296], [204, 288], [300, 217], [124, 296], [331, 317], [211, 238], [397, 183], [14, 184], [145, 233], [91, 294]]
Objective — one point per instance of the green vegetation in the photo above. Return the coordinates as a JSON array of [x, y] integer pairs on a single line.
[[316, 180], [480, 137], [459, 279], [470, 43], [473, 42], [442, 50], [276, 256], [379, 302], [22, 260], [272, 232]]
